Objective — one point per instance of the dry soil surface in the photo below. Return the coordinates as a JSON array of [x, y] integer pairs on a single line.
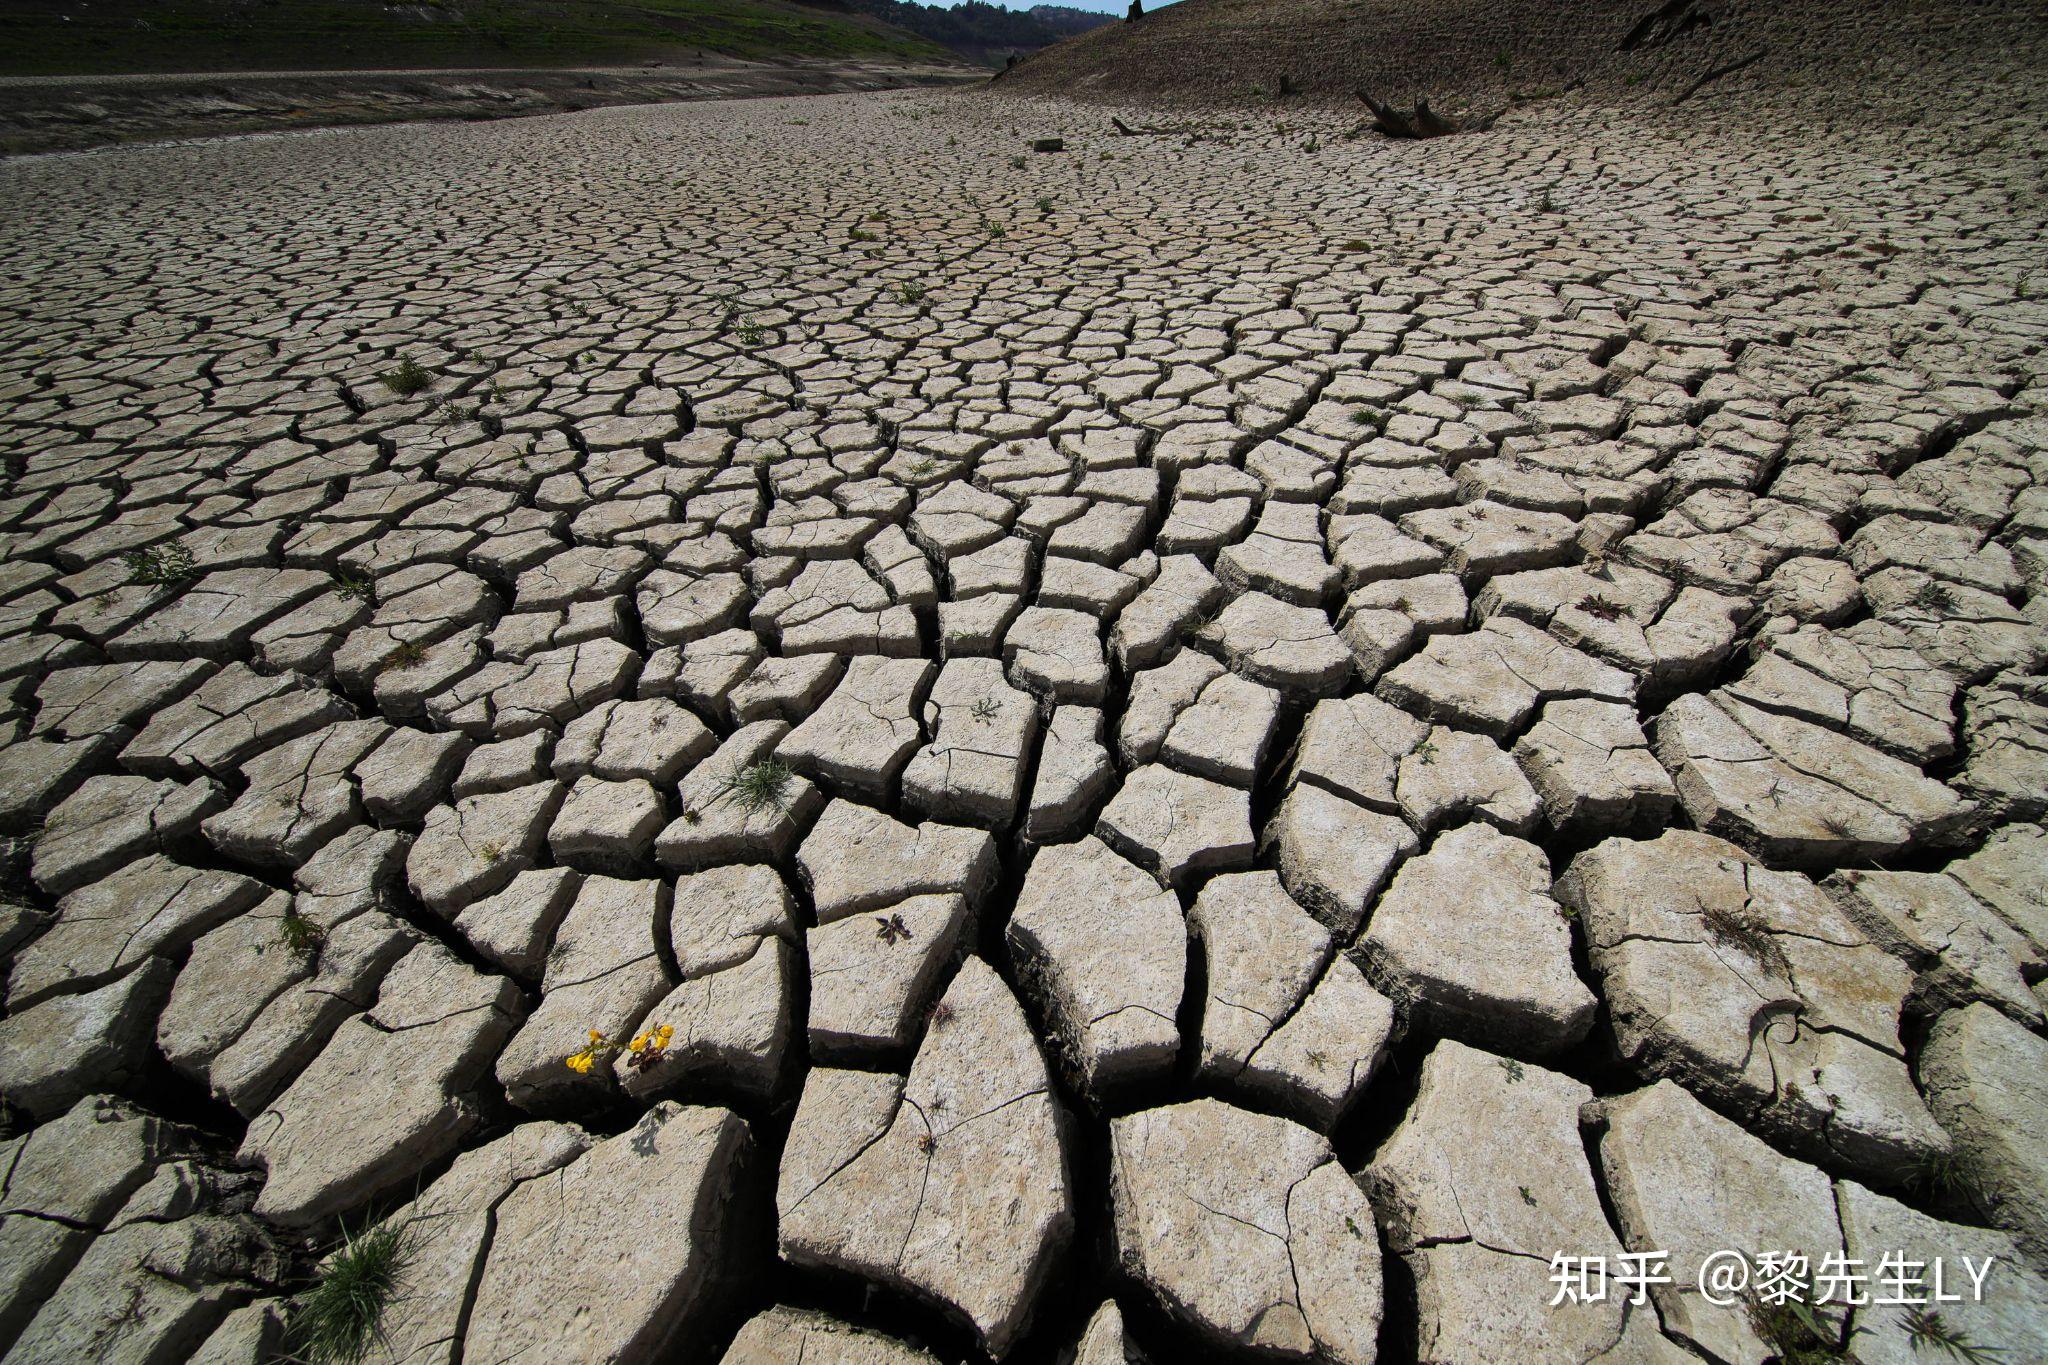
[[747, 717]]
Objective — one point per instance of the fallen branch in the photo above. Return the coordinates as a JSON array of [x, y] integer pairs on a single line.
[[1423, 123]]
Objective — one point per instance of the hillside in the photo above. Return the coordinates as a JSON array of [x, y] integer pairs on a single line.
[[1488, 52], [70, 37], [983, 32]]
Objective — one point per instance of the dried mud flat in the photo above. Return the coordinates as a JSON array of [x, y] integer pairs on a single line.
[[1212, 743]]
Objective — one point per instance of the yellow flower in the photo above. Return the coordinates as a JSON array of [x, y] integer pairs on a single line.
[[580, 1063], [596, 1037], [665, 1032], [640, 1043]]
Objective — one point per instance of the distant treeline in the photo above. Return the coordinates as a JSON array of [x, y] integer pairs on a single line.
[[980, 31]]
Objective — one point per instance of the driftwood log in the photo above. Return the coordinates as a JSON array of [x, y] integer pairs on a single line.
[[1424, 122]]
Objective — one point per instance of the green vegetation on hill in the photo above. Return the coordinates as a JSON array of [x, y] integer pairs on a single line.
[[73, 37], [981, 31]]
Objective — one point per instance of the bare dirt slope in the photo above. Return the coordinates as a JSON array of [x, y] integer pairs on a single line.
[[71, 113], [1481, 51]]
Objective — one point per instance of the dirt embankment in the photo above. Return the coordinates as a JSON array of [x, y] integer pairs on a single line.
[[1478, 53], [68, 113]]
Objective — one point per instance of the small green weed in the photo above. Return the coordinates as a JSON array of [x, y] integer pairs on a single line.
[[159, 566]]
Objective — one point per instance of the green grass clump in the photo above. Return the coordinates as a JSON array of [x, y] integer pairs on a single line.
[[407, 377], [761, 786], [340, 1318]]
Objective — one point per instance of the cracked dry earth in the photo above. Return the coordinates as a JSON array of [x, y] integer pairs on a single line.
[[1209, 747]]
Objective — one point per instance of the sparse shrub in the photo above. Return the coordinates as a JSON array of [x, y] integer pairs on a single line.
[[1934, 596], [301, 936], [1601, 606], [407, 377], [159, 566], [1926, 1330], [1799, 1332], [1940, 1176], [1749, 934]]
